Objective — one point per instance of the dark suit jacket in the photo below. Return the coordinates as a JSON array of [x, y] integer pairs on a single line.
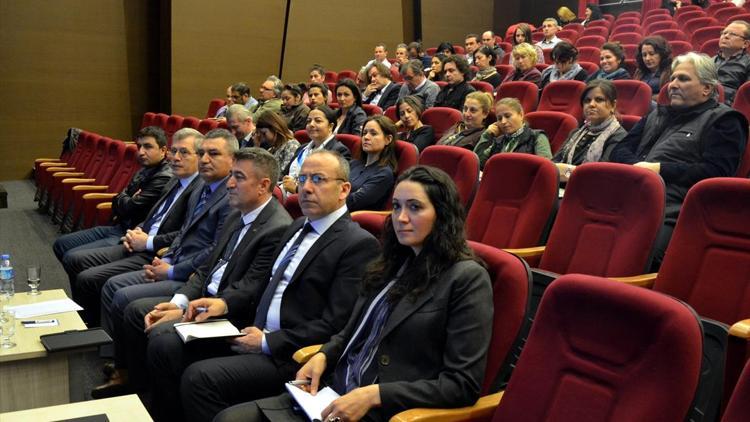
[[353, 122], [198, 234], [251, 260], [128, 209], [332, 145], [389, 96], [432, 350], [172, 221], [319, 298], [454, 96]]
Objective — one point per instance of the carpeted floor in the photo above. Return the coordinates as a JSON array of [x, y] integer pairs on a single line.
[[28, 236]]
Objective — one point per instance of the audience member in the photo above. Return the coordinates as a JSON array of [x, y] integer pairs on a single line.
[[521, 35], [320, 125], [484, 60], [130, 206], [221, 113], [318, 94], [471, 43], [417, 53], [466, 133], [380, 55], [524, 57], [654, 59], [305, 298], [549, 28], [273, 135], [488, 39], [317, 76], [240, 123], [241, 257], [452, 95], [693, 138], [445, 48], [270, 97], [410, 111], [436, 67], [732, 61], [611, 63], [188, 249], [566, 67], [426, 264], [349, 117], [566, 15], [381, 90], [416, 83], [372, 175], [592, 13], [293, 109], [241, 95], [402, 55], [510, 133], [595, 140]]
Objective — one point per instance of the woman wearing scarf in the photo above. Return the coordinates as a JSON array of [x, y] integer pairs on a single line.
[[611, 62], [566, 68], [465, 134], [599, 134], [484, 59], [510, 133]]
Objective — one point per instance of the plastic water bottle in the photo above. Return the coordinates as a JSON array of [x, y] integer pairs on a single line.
[[6, 276]]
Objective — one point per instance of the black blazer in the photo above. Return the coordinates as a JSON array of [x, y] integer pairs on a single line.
[[128, 209], [433, 350], [389, 96], [353, 122], [171, 223], [332, 145], [252, 258], [320, 296], [199, 235]]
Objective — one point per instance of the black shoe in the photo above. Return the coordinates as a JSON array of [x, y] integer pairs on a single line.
[[108, 369], [112, 388]]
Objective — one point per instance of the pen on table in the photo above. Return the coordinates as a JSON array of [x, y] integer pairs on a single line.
[[299, 382]]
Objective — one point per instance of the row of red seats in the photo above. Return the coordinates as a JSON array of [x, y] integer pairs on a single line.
[[589, 238], [175, 122]]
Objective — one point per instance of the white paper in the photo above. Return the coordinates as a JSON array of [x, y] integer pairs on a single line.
[[216, 328], [312, 405], [45, 308]]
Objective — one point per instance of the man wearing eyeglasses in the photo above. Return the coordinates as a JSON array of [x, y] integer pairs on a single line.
[[270, 97], [304, 299], [732, 61], [416, 83]]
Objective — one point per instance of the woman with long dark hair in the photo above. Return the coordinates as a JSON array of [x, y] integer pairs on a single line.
[[350, 115], [654, 60], [419, 332], [372, 176], [272, 134]]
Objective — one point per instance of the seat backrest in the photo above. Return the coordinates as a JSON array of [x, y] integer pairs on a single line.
[[125, 170], [659, 25], [191, 122], [482, 86], [650, 20], [302, 137], [630, 50], [633, 97], [160, 120], [504, 69], [590, 67], [564, 96], [441, 119], [207, 125], [346, 74], [570, 34], [710, 47], [626, 20], [99, 157], [372, 109], [681, 18], [738, 409], [590, 41], [589, 54], [700, 22], [115, 154], [600, 30], [331, 76], [524, 91], [707, 262], [555, 124], [213, 106], [461, 165], [713, 8], [91, 144], [511, 287], [352, 142], [174, 123], [392, 113], [725, 15], [628, 121], [702, 35], [584, 361], [407, 156], [148, 119], [631, 13], [513, 215], [626, 37], [372, 222], [578, 27], [620, 29], [607, 221], [680, 47]]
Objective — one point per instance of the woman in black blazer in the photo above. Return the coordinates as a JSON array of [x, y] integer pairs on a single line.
[[350, 116], [419, 332]]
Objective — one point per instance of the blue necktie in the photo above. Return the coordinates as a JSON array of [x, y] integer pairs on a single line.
[[201, 201], [165, 207], [265, 301]]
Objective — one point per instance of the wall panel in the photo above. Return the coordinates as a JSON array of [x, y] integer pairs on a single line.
[[451, 21]]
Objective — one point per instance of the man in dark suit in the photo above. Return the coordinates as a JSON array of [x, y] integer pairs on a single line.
[[131, 205], [453, 95], [242, 256], [381, 90], [304, 299], [189, 247], [240, 123]]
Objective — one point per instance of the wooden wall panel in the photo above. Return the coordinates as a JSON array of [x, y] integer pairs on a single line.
[[66, 63], [451, 21], [338, 34], [219, 43]]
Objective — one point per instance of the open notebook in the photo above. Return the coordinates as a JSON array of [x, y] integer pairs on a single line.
[[213, 328], [312, 405]]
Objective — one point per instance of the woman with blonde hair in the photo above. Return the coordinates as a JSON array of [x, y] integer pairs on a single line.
[[566, 15], [510, 133], [465, 134], [524, 59]]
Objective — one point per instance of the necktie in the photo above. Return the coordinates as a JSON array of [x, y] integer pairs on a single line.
[[265, 300], [229, 249], [165, 207], [201, 201], [176, 248]]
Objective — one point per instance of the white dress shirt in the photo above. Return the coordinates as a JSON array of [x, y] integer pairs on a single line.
[[155, 227], [297, 161]]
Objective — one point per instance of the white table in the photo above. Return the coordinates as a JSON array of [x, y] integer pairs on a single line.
[[118, 409]]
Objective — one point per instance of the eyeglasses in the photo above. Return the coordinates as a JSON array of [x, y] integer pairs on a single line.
[[182, 151], [316, 179], [731, 34]]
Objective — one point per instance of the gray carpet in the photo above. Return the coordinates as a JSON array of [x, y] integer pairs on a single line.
[[28, 236]]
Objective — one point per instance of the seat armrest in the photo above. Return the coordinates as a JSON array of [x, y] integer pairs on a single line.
[[68, 174], [482, 410], [642, 280], [59, 169], [160, 253], [90, 187], [46, 160], [73, 180], [527, 252], [99, 195], [53, 164], [304, 354], [104, 206], [741, 329], [371, 212]]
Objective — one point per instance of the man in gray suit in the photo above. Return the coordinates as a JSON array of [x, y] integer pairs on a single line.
[[241, 256]]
